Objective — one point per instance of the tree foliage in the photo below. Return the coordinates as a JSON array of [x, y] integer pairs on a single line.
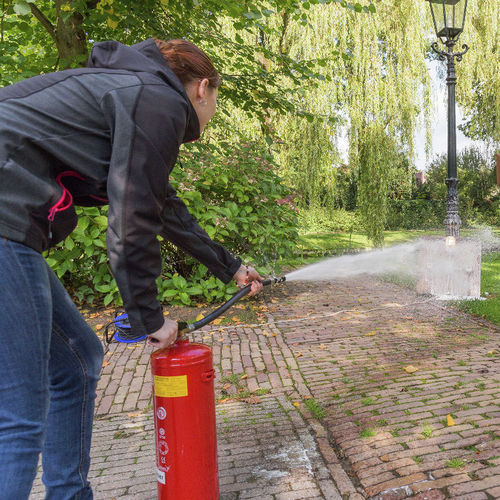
[[478, 74], [478, 194], [55, 34], [377, 154], [375, 79], [309, 169]]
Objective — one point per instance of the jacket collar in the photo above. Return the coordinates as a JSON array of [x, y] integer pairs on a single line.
[[144, 57]]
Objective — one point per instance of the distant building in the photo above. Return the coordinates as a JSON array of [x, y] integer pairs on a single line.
[[420, 177]]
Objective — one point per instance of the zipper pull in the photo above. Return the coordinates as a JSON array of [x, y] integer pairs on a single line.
[[50, 231]]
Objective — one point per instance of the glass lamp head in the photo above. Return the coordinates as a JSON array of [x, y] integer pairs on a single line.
[[448, 17]]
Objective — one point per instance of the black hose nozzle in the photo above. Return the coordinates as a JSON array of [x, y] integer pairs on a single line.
[[185, 327]]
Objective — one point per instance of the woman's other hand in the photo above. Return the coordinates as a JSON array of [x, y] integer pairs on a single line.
[[165, 336], [246, 275]]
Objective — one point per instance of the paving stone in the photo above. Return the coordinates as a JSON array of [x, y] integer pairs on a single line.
[[440, 483], [298, 495], [341, 479], [494, 492], [476, 496], [329, 491], [473, 486], [430, 495]]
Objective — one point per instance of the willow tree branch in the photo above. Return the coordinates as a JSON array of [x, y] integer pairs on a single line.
[[286, 20], [43, 20], [4, 13]]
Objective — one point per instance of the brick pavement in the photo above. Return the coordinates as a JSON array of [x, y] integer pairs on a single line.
[[339, 417]]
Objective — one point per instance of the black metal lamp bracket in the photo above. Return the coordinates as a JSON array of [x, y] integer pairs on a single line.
[[443, 54]]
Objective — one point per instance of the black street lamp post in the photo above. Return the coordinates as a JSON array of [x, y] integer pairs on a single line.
[[448, 17]]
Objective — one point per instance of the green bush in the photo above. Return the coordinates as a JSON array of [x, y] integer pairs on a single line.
[[477, 190], [415, 214], [237, 198], [81, 261], [423, 214], [316, 220], [489, 214]]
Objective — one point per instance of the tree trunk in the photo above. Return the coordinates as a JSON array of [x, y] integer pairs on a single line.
[[68, 34], [70, 37], [498, 168]]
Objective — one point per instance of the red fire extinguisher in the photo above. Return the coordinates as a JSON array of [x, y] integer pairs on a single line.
[[184, 416], [184, 413]]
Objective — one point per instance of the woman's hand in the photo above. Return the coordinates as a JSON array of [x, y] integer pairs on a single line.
[[165, 336], [246, 275]]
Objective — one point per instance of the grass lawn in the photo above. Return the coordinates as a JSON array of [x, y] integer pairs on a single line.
[[490, 285], [331, 242]]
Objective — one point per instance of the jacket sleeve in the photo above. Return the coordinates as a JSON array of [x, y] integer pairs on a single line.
[[182, 229], [147, 125]]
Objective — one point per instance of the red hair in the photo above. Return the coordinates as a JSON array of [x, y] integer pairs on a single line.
[[188, 61]]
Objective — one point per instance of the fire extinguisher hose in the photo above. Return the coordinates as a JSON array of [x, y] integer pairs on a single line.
[[119, 328], [185, 327]]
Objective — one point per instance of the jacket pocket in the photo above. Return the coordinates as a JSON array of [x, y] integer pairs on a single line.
[[62, 218]]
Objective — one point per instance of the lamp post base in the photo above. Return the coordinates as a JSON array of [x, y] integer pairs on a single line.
[[452, 221]]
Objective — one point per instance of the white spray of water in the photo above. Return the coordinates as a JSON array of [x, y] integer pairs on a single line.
[[398, 259], [489, 241]]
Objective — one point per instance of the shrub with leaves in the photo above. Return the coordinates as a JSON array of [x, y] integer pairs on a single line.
[[81, 260], [237, 197], [415, 214], [234, 193], [316, 220]]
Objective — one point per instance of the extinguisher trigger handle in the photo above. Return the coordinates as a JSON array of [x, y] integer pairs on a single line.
[[183, 327]]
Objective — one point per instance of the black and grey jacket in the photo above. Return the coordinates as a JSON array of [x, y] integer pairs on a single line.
[[106, 134]]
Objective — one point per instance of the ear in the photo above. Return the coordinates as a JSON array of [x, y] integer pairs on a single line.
[[202, 89]]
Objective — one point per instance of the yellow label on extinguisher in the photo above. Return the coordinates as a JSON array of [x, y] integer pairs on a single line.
[[171, 387]]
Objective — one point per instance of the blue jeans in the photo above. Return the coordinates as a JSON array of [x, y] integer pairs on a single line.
[[50, 361]]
